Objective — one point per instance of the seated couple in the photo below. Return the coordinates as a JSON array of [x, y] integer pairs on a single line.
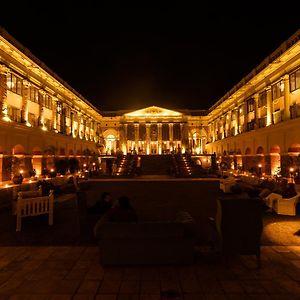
[[122, 211]]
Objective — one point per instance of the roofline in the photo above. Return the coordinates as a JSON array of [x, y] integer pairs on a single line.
[[26, 51], [269, 59]]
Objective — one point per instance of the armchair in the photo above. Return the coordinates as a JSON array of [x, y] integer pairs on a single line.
[[285, 206], [226, 184], [239, 225]]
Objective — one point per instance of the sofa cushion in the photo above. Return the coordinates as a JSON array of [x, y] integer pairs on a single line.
[[143, 230]]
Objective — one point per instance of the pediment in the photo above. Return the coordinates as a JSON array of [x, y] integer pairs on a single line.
[[153, 112]]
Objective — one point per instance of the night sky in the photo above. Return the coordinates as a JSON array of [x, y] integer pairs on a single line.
[[172, 56]]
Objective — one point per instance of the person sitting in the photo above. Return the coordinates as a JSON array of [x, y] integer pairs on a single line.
[[122, 212], [290, 191], [101, 206]]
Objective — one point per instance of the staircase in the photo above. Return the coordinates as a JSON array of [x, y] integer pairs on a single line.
[[126, 165], [184, 166], [156, 164]]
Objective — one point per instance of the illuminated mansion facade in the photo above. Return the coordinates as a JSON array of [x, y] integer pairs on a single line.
[[43, 118]]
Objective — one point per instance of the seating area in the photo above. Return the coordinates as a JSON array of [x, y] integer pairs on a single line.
[[227, 183], [157, 242]]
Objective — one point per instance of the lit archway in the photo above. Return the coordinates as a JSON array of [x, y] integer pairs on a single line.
[[294, 148], [110, 143], [260, 161], [36, 151], [196, 143], [275, 160], [18, 150], [249, 162], [110, 139], [260, 150], [18, 159], [248, 151], [294, 157]]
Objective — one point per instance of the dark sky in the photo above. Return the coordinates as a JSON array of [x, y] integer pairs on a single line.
[[131, 57]]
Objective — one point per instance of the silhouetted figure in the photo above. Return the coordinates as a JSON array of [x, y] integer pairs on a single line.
[[101, 206], [122, 212], [290, 191]]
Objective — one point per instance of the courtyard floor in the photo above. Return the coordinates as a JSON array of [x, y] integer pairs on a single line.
[[63, 262], [76, 273]]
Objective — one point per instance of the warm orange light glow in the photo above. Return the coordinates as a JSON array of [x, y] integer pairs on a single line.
[[154, 112], [6, 118], [259, 165], [52, 170], [291, 169]]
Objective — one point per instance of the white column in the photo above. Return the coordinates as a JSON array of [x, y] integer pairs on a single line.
[[54, 115], [4, 71], [26, 91], [159, 137], [269, 107], [148, 138], [171, 136], [287, 104], [136, 136], [255, 97]]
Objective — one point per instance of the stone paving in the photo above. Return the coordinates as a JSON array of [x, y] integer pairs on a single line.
[[76, 273]]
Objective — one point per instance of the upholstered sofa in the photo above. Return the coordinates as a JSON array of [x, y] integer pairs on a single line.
[[165, 242]]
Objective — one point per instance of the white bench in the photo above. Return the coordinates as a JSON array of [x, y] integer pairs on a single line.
[[34, 206], [23, 195]]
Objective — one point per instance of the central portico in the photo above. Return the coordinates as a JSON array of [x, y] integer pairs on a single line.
[[152, 130]]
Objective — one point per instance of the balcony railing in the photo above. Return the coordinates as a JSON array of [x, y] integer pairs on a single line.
[[250, 125], [220, 135], [232, 131], [277, 116], [295, 111], [262, 122]]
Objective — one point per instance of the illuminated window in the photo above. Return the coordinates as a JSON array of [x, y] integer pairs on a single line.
[[250, 105], [32, 120], [277, 89], [262, 99], [14, 84], [34, 94], [295, 81], [47, 101], [14, 114]]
